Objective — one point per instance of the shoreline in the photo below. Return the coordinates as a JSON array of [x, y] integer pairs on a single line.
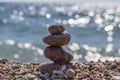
[[108, 70]]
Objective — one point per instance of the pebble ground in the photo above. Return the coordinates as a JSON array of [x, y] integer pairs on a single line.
[[108, 70]]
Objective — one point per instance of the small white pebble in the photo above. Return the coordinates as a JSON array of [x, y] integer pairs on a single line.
[[70, 73], [58, 72], [45, 76], [116, 77], [63, 67]]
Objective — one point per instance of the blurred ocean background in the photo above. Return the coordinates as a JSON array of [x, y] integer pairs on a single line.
[[94, 27]]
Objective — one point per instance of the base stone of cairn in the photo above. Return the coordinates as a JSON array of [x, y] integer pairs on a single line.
[[50, 67], [54, 52]]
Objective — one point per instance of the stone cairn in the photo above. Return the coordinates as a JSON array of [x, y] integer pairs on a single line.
[[57, 38]]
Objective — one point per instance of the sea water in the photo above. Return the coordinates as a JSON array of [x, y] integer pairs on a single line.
[[95, 30]]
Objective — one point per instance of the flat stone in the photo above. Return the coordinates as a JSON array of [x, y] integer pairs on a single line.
[[57, 54], [56, 29], [51, 67], [57, 39]]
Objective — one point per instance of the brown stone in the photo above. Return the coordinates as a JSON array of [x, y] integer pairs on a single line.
[[57, 39], [50, 67], [57, 54], [56, 29], [69, 57]]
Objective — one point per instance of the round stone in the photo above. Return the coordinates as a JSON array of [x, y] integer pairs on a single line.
[[57, 54], [57, 39], [56, 29]]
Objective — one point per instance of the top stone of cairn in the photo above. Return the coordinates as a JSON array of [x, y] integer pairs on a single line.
[[57, 28]]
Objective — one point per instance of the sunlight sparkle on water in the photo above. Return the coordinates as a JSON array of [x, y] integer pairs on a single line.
[[119, 26], [71, 21], [48, 15], [110, 58], [108, 17], [98, 19], [64, 22], [69, 14], [17, 16], [117, 19], [4, 21], [43, 11], [20, 45], [32, 10], [110, 11], [16, 56], [84, 20], [109, 38], [86, 47], [91, 14], [109, 48], [77, 16], [60, 9], [10, 42], [31, 47], [92, 56], [79, 21], [40, 51], [27, 45], [74, 46], [108, 28], [94, 49], [76, 56], [110, 33]]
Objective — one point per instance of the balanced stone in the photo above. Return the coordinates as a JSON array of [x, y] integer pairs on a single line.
[[57, 55], [56, 28], [57, 39], [50, 67]]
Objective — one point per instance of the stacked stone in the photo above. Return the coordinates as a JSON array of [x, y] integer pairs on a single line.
[[57, 38]]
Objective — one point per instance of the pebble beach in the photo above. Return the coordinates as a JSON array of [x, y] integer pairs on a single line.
[[82, 45], [108, 70]]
